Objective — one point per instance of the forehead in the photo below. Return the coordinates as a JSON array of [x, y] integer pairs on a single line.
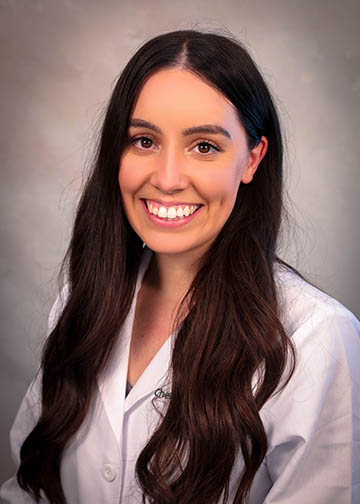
[[183, 96]]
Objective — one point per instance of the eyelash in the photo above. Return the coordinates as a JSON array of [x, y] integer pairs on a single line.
[[201, 142]]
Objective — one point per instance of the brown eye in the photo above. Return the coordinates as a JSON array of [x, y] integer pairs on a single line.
[[206, 148], [143, 142]]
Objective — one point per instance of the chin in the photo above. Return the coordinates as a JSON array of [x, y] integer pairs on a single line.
[[194, 250], [170, 245]]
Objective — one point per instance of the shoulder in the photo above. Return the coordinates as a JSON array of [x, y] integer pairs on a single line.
[[315, 416], [326, 335], [304, 307]]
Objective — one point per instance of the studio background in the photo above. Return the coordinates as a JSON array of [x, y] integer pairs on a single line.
[[59, 63]]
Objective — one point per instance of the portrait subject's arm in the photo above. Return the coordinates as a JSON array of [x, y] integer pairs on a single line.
[[26, 418], [314, 441]]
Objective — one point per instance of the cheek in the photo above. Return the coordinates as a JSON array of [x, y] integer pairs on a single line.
[[128, 188], [127, 177], [222, 186], [134, 174]]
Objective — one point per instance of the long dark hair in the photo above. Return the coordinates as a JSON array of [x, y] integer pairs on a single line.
[[231, 333]]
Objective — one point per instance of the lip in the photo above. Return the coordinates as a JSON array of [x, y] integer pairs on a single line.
[[169, 223], [168, 204]]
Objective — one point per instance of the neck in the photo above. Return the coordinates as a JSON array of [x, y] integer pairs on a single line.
[[171, 274]]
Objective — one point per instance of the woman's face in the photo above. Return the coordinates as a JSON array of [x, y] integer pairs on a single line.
[[188, 154]]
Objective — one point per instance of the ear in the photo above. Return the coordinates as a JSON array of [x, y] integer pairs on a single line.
[[255, 157]]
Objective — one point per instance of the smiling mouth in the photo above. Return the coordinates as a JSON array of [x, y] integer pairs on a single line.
[[174, 212]]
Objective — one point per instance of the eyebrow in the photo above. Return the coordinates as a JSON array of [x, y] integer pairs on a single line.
[[203, 128]]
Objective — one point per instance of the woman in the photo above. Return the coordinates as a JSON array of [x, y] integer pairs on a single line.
[[237, 373]]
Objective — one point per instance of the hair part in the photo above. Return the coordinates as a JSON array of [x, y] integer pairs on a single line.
[[231, 333]]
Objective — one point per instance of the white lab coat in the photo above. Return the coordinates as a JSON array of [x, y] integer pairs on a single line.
[[313, 425]]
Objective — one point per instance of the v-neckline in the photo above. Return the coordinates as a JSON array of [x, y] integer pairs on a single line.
[[112, 383], [146, 340]]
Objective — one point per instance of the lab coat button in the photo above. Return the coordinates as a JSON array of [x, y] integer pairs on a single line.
[[109, 472]]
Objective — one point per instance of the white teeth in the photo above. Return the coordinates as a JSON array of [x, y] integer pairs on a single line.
[[162, 212], [171, 212]]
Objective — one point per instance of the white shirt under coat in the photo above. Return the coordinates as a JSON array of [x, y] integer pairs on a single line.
[[312, 426]]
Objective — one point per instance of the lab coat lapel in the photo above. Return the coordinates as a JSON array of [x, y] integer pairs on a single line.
[[112, 383], [154, 377]]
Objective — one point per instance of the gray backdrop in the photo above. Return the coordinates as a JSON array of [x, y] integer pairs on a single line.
[[59, 63]]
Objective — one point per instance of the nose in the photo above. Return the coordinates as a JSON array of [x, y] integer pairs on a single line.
[[169, 175]]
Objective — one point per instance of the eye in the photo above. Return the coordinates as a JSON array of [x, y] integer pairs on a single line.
[[206, 147], [142, 142]]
